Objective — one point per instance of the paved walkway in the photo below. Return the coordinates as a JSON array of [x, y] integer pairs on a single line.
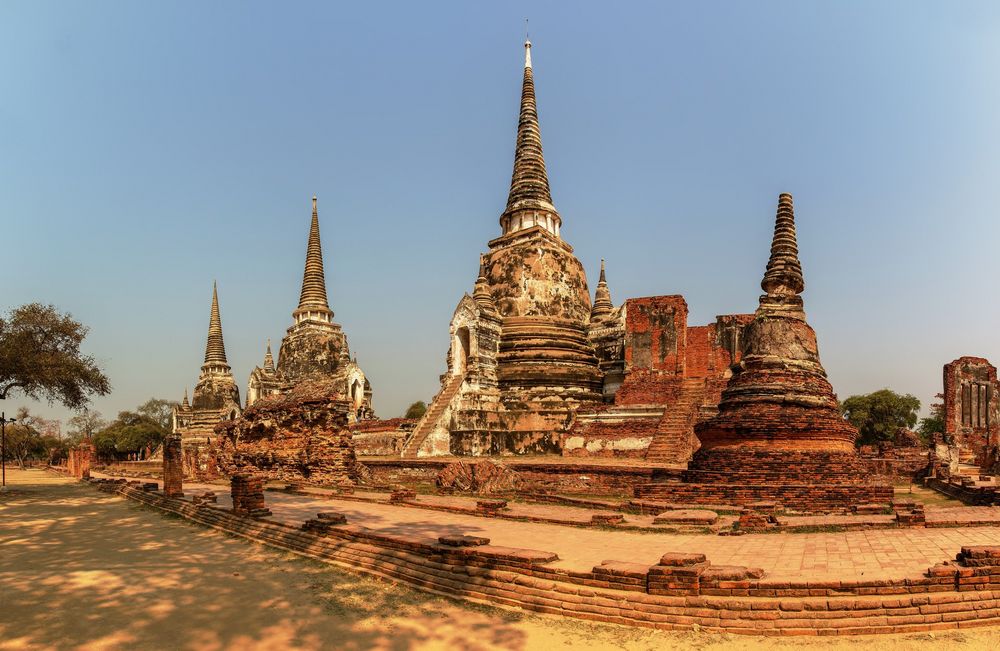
[[852, 555]]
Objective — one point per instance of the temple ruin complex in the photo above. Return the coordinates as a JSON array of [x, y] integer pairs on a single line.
[[535, 368]]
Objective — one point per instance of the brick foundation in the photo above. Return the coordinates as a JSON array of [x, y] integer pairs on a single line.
[[680, 592]]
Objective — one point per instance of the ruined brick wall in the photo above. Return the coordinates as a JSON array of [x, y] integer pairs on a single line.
[[173, 467], [713, 348], [301, 436], [380, 438], [972, 405], [660, 349], [200, 460], [655, 334], [562, 478]]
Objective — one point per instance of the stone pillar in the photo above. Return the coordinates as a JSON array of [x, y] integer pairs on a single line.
[[248, 496], [173, 467]]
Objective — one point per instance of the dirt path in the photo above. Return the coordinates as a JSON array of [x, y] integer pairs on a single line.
[[80, 569]]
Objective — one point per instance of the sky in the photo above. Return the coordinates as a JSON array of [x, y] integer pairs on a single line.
[[147, 149]]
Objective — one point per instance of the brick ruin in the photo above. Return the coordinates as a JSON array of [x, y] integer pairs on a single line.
[[247, 492], [535, 368], [778, 434], [672, 377], [299, 436], [79, 458], [972, 410], [173, 467]]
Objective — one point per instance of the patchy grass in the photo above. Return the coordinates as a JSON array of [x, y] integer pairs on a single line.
[[926, 496]]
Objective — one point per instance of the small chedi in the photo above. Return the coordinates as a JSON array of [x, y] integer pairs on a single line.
[[216, 397], [778, 434], [535, 368]]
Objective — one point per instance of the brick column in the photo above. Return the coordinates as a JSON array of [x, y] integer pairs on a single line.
[[248, 496], [173, 467]]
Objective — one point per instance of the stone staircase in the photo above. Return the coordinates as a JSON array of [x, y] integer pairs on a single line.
[[430, 418], [672, 442]]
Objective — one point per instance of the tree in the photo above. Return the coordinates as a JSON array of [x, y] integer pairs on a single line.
[[84, 425], [40, 356], [159, 411], [934, 424], [23, 440], [131, 432], [416, 410], [880, 414]]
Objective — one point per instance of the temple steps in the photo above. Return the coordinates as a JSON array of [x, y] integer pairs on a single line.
[[672, 441], [430, 418]]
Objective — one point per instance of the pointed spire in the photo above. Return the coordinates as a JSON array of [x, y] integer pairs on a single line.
[[602, 298], [215, 347], [481, 294], [530, 201], [312, 299], [185, 403], [784, 271], [268, 359]]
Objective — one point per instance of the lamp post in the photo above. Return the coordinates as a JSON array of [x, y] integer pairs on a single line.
[[3, 447]]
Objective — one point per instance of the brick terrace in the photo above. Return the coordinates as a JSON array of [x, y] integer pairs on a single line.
[[850, 555]]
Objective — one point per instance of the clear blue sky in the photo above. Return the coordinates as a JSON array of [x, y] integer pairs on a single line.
[[149, 148]]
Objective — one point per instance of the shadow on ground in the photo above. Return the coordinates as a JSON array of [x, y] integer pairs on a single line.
[[83, 568]]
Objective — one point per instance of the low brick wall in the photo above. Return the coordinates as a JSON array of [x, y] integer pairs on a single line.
[[812, 498], [971, 495], [566, 478], [681, 591]]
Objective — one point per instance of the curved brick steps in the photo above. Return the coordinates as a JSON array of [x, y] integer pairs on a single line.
[[430, 418], [679, 592]]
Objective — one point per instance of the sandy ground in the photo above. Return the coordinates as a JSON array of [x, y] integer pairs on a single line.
[[80, 569]]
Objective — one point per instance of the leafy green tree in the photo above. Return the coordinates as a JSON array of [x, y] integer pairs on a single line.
[[933, 424], [131, 432], [416, 410], [40, 357], [880, 414], [159, 411], [24, 440], [84, 425]]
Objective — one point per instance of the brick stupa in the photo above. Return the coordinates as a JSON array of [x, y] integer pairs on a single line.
[[778, 434]]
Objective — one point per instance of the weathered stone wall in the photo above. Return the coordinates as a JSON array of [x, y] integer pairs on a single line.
[[972, 406], [301, 436], [561, 478], [311, 350], [534, 273], [378, 438]]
